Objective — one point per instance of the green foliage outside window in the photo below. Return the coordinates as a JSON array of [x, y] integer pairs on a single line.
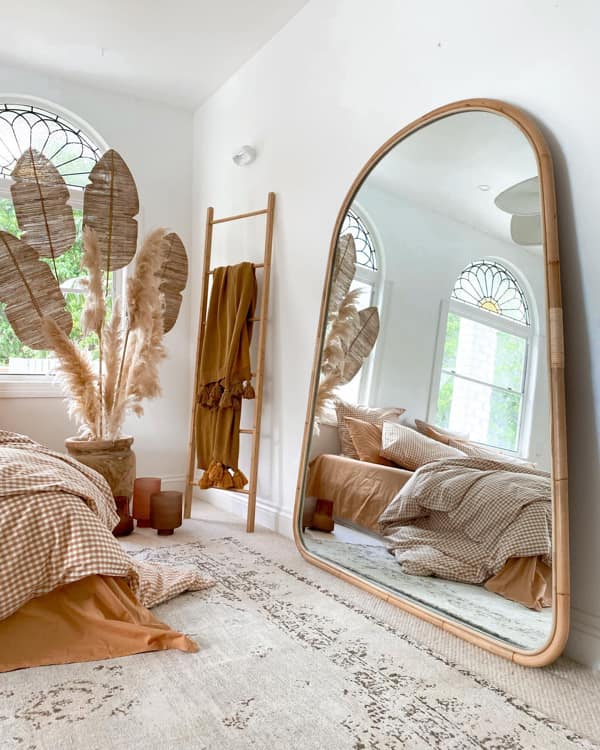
[[505, 389], [448, 363], [68, 266]]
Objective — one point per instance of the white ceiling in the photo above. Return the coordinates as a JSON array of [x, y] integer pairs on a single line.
[[441, 167], [175, 51]]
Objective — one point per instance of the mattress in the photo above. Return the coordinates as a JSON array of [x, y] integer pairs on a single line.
[[360, 491]]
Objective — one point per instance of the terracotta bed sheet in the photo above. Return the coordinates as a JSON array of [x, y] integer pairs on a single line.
[[97, 617], [360, 491], [527, 580]]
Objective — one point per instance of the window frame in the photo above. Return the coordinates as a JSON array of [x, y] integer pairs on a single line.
[[499, 323]]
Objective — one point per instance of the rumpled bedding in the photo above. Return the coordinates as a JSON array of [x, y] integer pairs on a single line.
[[56, 517], [462, 519]]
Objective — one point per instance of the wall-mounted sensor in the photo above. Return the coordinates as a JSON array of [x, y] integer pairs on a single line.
[[244, 155]]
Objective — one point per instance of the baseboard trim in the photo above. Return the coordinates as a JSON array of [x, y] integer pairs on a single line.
[[584, 640], [267, 515], [172, 482]]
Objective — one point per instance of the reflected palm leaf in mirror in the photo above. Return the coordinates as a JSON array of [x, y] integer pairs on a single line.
[[351, 333], [458, 513]]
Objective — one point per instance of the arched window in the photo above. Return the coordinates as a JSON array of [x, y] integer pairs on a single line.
[[482, 366], [368, 279], [64, 144], [74, 153], [365, 250]]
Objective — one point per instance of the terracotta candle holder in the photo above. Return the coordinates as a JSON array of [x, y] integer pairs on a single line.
[[143, 488], [125, 525], [166, 511]]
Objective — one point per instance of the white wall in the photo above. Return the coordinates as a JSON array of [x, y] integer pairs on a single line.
[[155, 142], [423, 253], [318, 100]]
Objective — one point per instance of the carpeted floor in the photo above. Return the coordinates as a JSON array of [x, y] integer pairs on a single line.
[[494, 615], [292, 657]]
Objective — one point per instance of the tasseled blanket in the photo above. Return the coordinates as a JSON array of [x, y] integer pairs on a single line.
[[225, 375]]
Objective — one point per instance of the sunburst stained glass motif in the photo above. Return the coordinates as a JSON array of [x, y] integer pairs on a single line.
[[492, 287], [68, 148], [365, 251]]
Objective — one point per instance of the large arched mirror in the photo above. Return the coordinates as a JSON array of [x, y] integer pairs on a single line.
[[434, 467]]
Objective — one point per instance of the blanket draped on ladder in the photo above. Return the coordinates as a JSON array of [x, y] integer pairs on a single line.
[[225, 375]]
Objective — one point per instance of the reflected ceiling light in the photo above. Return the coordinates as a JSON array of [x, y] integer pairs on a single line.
[[523, 202], [522, 199], [526, 230], [485, 188], [244, 155]]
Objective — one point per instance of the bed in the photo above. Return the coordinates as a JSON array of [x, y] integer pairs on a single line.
[[467, 519], [68, 591], [360, 491]]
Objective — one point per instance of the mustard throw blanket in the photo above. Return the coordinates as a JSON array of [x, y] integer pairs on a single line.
[[224, 376]]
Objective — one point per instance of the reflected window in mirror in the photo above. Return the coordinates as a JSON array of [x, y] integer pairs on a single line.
[[369, 279], [483, 358]]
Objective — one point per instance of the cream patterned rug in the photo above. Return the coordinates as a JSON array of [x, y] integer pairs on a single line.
[[291, 657], [473, 605]]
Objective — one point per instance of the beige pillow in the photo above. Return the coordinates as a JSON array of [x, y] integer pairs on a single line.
[[438, 433], [410, 449], [456, 440], [478, 451], [365, 414], [366, 439]]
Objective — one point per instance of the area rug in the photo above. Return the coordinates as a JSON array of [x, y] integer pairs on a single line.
[[290, 658], [473, 605]]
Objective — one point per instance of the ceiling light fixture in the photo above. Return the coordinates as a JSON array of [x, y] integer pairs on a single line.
[[484, 188]]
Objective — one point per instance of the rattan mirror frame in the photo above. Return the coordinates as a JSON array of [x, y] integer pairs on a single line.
[[555, 357]]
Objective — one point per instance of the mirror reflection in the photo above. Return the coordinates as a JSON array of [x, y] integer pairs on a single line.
[[430, 453]]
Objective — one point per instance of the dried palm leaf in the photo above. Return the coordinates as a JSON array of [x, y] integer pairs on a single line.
[[348, 308], [361, 345], [76, 373], [40, 197], [110, 202], [344, 268], [173, 279], [30, 292]]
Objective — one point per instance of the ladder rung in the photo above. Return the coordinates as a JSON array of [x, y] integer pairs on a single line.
[[247, 432], [240, 216], [231, 489], [255, 265], [254, 320]]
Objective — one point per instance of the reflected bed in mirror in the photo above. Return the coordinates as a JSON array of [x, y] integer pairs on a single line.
[[433, 471]]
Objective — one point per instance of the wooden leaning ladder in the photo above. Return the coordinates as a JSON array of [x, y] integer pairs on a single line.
[[261, 319]]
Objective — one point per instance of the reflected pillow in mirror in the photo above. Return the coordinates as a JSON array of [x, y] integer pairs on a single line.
[[365, 414], [410, 449], [479, 451], [439, 433], [460, 442], [366, 439]]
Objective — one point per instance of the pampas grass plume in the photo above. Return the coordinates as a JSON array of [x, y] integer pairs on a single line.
[[76, 374]]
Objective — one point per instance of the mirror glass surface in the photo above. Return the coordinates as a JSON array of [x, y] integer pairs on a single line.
[[430, 457]]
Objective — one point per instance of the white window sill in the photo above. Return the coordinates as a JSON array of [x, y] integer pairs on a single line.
[[39, 387]]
